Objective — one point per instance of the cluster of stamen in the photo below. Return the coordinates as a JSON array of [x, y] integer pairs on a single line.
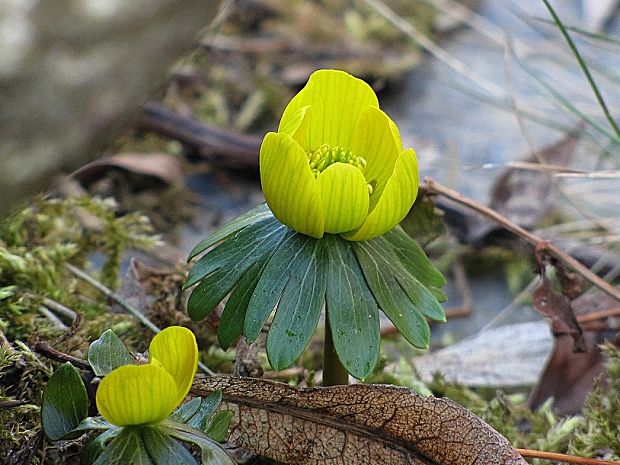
[[325, 156]]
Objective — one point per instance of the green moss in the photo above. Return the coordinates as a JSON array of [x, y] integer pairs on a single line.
[[599, 433]]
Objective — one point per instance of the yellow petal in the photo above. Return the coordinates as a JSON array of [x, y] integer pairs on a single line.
[[345, 197], [294, 122], [337, 100], [136, 395], [396, 201], [175, 350], [374, 140], [289, 185]]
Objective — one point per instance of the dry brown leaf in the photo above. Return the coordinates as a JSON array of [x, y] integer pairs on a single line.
[[554, 305], [161, 166], [358, 424]]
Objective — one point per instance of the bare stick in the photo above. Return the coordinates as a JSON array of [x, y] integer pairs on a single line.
[[433, 186], [45, 349], [133, 311], [564, 458]]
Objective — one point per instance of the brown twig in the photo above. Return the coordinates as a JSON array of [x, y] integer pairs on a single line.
[[433, 187], [48, 351], [615, 311], [218, 146], [564, 457], [130, 309], [8, 404]]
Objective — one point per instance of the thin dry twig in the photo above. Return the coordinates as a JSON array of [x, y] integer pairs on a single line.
[[133, 311], [48, 351], [433, 187], [564, 457]]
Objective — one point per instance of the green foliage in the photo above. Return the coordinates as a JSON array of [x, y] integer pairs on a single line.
[[270, 267], [65, 402], [37, 241], [599, 433]]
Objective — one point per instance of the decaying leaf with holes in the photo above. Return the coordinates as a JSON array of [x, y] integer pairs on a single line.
[[358, 424]]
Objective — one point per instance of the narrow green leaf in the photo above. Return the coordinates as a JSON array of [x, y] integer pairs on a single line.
[[352, 310], [233, 316], [218, 284], [108, 352], [163, 450], [218, 427], [414, 259], [248, 244], [94, 423], [212, 452], [187, 410], [208, 405], [390, 296], [258, 213], [299, 308], [272, 281], [125, 449], [94, 448], [420, 296], [65, 402]]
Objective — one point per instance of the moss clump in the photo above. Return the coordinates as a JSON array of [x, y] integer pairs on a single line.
[[35, 244], [599, 433]]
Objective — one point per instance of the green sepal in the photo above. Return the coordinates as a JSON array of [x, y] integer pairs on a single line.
[[235, 310], [108, 352], [212, 452], [351, 308], [65, 402], [219, 424], [414, 259], [95, 447], [208, 405], [419, 295], [291, 253], [245, 245], [258, 213], [233, 258], [391, 298], [187, 410], [126, 448], [299, 308], [163, 450]]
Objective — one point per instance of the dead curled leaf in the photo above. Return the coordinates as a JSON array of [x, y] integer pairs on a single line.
[[357, 424], [554, 305]]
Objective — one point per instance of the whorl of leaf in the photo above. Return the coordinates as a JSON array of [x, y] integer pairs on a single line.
[[358, 424]]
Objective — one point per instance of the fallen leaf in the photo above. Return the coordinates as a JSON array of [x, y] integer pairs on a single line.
[[161, 166], [568, 376], [357, 424], [526, 196], [554, 305]]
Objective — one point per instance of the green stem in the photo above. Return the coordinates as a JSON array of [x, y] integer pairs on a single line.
[[334, 373]]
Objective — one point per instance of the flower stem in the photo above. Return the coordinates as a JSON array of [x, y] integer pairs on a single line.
[[334, 373]]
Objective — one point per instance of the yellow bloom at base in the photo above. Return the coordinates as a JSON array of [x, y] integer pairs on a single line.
[[336, 164], [144, 394]]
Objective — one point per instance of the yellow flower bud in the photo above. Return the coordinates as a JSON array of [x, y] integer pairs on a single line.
[[337, 164]]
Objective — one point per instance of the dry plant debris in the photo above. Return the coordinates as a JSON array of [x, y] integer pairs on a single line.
[[362, 424]]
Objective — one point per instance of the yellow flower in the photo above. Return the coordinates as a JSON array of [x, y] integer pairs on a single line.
[[337, 164], [143, 394]]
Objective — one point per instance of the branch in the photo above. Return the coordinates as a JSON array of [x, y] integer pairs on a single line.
[[133, 311], [433, 187], [564, 458], [48, 351]]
